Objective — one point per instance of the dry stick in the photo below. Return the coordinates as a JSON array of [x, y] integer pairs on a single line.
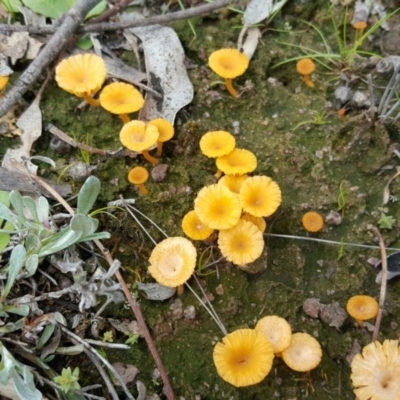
[[382, 294], [112, 26], [72, 20], [132, 302], [110, 12]]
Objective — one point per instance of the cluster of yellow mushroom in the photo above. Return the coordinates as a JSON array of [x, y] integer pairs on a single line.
[[84, 75], [236, 205], [245, 356]]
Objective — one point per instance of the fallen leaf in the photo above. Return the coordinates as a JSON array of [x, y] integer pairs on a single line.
[[258, 10], [165, 68]]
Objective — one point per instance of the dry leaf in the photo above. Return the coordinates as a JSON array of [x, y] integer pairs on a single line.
[[166, 72], [258, 10], [31, 124]]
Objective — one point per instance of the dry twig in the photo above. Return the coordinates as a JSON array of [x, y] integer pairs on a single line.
[[382, 295]]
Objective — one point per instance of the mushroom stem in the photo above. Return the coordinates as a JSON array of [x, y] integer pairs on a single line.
[[90, 100], [3, 81], [180, 289], [360, 322], [218, 174], [142, 189], [307, 81], [230, 88], [125, 118], [149, 158], [159, 149]]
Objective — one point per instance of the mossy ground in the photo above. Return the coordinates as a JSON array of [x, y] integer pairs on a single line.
[[309, 163]]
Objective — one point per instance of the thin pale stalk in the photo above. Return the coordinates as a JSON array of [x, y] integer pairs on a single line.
[[382, 294]]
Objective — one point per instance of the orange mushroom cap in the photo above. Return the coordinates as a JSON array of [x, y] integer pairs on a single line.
[[362, 307], [228, 63], [217, 143], [121, 98], [165, 129], [82, 74], [305, 66], [237, 162], [138, 175], [312, 221], [138, 136]]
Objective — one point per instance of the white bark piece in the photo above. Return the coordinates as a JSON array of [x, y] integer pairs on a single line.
[[165, 68], [258, 10]]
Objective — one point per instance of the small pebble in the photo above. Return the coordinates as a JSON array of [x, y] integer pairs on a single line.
[[159, 172], [189, 312]]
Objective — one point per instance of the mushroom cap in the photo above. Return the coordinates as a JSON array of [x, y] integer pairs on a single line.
[[194, 228], [81, 74], [277, 330], [138, 175], [138, 136], [217, 207], [362, 307], [303, 354], [243, 358], [305, 66], [172, 261], [259, 222], [233, 182], [359, 25], [217, 143], [237, 162], [121, 98], [260, 196], [228, 63], [375, 373], [312, 221], [242, 244], [165, 129]]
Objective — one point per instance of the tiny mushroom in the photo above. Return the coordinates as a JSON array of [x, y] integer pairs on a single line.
[[244, 357], [277, 330], [306, 67], [121, 98], [172, 261], [241, 244], [362, 307], [194, 228], [139, 136], [217, 143], [5, 73], [312, 221], [229, 64], [237, 162], [82, 75], [138, 176], [359, 26], [303, 354], [166, 132]]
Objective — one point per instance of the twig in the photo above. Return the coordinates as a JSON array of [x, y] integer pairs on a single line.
[[71, 22], [110, 12], [382, 295], [112, 26], [93, 150], [132, 302], [109, 345]]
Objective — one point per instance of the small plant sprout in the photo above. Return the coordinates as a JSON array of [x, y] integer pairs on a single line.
[[133, 338], [68, 379], [386, 221], [108, 336], [319, 119]]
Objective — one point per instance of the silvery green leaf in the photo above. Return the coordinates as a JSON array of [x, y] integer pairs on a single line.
[[24, 384], [258, 10], [12, 327], [5, 197], [68, 238], [32, 243], [31, 265], [70, 350], [43, 209], [58, 317], [16, 202], [155, 291], [88, 195], [81, 224], [21, 309], [7, 214], [30, 208], [96, 236], [45, 336], [17, 261]]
